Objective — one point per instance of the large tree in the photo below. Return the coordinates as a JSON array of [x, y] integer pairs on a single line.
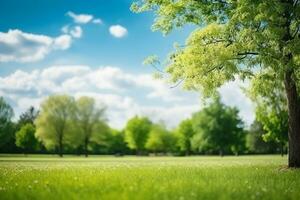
[[137, 132], [90, 120], [234, 39], [54, 122], [218, 129]]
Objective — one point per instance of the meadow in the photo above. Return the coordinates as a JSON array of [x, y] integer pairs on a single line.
[[182, 178]]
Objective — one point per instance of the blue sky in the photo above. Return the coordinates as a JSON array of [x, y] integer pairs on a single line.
[[93, 48], [97, 45]]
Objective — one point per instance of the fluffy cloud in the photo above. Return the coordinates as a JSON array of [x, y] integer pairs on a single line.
[[75, 31], [118, 31], [19, 46], [80, 18], [125, 94]]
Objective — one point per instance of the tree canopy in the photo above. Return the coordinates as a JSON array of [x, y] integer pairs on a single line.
[[218, 129], [90, 120], [54, 122], [235, 39], [137, 132]]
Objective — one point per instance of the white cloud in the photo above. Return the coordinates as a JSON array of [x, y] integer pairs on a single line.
[[125, 94], [76, 32], [80, 18], [118, 31], [62, 42], [19, 46], [97, 21]]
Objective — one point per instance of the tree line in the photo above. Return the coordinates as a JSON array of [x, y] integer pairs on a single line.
[[65, 125]]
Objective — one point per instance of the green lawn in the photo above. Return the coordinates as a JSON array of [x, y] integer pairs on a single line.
[[182, 178]]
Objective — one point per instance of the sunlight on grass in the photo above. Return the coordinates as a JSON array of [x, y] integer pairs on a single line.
[[242, 177]]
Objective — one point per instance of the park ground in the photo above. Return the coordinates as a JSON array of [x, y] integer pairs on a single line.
[[118, 178]]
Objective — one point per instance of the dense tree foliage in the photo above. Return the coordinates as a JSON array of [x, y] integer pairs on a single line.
[[213, 128], [258, 40], [7, 127], [89, 121], [137, 132], [54, 123], [160, 139], [255, 142], [218, 129], [25, 138], [184, 135]]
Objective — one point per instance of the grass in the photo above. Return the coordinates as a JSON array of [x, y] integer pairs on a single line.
[[182, 178]]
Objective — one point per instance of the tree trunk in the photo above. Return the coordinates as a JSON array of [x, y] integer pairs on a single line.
[[294, 119]]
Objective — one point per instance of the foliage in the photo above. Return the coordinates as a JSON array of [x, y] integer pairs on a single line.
[[25, 138], [234, 38], [255, 142], [218, 129], [184, 134], [6, 125], [160, 139], [271, 108], [116, 143], [243, 39], [54, 123], [136, 133], [89, 121]]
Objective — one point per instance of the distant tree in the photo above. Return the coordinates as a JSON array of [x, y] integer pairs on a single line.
[[218, 129], [136, 133], [28, 116], [7, 128], [255, 142], [25, 138], [54, 122], [160, 139], [116, 142], [245, 39], [184, 135], [89, 121]]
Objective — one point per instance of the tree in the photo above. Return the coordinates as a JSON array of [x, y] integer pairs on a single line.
[[236, 39], [255, 142], [160, 139], [218, 129], [89, 120], [25, 138], [54, 123], [136, 133], [6, 126], [116, 142], [184, 135]]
